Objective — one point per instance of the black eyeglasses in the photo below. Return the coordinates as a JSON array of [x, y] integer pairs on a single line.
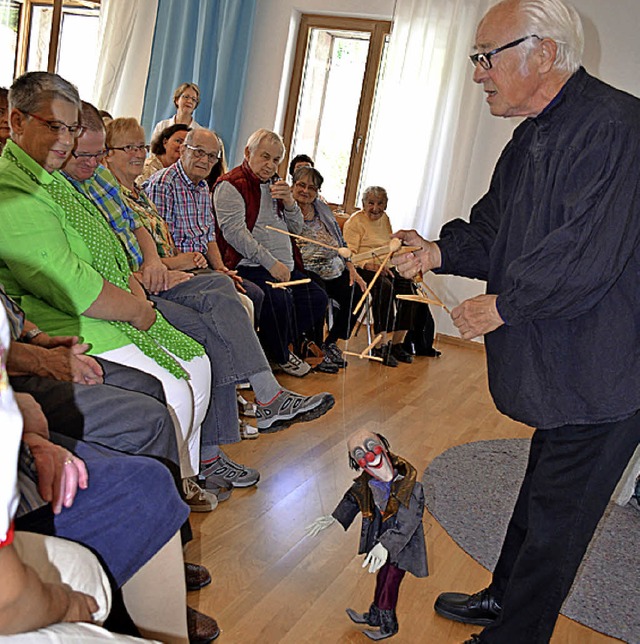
[[85, 155], [199, 153], [132, 149], [484, 58], [58, 127]]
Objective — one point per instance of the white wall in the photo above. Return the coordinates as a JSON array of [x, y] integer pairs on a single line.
[[275, 33], [612, 52]]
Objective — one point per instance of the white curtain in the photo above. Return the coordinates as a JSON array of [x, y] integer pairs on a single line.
[[126, 36], [422, 140]]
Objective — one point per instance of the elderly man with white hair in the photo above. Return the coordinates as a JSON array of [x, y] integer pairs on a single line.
[[556, 237]]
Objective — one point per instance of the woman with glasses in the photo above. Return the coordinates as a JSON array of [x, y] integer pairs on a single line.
[[186, 98], [326, 267], [165, 151]]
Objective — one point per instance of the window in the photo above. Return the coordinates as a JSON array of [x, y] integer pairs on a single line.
[[50, 35], [331, 101]]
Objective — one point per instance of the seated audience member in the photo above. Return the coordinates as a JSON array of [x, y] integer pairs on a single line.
[[336, 276], [248, 201], [61, 263], [4, 117], [165, 151], [206, 306], [186, 98], [300, 161], [145, 562], [182, 198], [365, 230]]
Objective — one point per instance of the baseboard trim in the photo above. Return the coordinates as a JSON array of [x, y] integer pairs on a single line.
[[460, 342]]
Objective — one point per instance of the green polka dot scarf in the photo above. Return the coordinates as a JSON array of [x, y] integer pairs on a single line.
[[110, 260]]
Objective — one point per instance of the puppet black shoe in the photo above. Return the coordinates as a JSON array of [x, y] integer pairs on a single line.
[[388, 626], [372, 617], [481, 608]]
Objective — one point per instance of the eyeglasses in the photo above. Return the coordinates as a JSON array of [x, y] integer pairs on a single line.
[[306, 186], [484, 58], [132, 149], [58, 127], [194, 99], [199, 153], [85, 155]]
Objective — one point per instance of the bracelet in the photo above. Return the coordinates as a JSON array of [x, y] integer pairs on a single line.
[[29, 335]]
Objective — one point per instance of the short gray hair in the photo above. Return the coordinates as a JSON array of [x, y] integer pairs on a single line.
[[377, 191], [561, 23], [29, 91], [256, 139]]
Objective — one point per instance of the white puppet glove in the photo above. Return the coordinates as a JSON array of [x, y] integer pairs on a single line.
[[376, 558], [320, 524]]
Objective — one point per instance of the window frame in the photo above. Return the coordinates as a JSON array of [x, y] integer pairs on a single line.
[[378, 30], [54, 36]]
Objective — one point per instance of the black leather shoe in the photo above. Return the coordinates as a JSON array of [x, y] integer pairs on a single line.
[[371, 617], [196, 576], [474, 639], [400, 354], [481, 609], [201, 628]]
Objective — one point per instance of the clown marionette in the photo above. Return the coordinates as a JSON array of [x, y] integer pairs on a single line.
[[391, 501]]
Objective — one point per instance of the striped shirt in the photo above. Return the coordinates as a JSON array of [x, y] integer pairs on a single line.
[[185, 206]]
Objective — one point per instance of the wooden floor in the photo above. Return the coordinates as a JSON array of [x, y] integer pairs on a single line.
[[272, 583]]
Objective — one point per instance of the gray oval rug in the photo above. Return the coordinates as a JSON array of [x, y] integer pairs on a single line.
[[471, 490]]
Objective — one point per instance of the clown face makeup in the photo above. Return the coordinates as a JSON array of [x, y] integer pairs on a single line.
[[371, 455]]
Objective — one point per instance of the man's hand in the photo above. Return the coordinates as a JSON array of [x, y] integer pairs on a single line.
[[426, 259], [60, 473], [235, 278], [177, 277], [52, 341], [282, 190], [186, 261], [153, 276], [477, 316], [280, 272]]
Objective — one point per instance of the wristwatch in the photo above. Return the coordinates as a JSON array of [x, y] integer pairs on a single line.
[[29, 335]]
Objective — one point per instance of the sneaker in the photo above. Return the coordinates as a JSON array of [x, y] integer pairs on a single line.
[[334, 353], [245, 407], [398, 352], [288, 408], [326, 366], [197, 499], [294, 366], [231, 472], [217, 486], [384, 352], [248, 432]]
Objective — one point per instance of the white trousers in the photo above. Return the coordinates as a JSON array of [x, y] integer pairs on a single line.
[[61, 561], [187, 400]]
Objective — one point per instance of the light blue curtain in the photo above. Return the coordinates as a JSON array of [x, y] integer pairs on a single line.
[[207, 42]]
